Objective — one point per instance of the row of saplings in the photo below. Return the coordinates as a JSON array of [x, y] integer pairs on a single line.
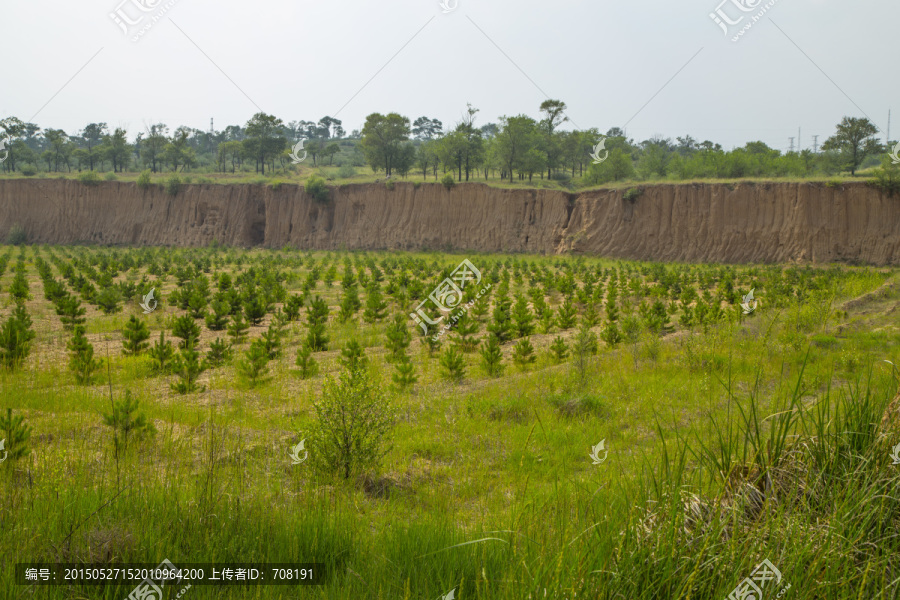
[[187, 364]]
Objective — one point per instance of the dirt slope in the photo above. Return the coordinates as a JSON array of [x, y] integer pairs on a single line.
[[692, 222]]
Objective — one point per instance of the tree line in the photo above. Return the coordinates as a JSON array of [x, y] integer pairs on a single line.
[[515, 148]]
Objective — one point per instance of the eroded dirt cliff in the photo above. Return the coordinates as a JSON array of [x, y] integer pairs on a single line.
[[692, 222]]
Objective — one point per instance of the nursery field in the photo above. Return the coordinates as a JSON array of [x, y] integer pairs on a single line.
[[428, 425]]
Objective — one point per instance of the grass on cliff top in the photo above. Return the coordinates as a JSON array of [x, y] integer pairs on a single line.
[[364, 175], [750, 440]]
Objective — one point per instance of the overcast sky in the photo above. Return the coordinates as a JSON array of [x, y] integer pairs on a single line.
[[652, 66]]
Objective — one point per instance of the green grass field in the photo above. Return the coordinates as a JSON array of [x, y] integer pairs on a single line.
[[729, 438]]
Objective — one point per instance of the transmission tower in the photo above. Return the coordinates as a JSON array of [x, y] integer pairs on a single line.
[[815, 144], [792, 145]]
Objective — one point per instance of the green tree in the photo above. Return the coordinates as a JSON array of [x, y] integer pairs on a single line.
[[127, 423], [383, 137], [854, 139], [161, 353], [186, 328], [135, 334], [566, 315], [492, 356], [264, 140], [317, 317], [108, 300], [349, 303], [188, 367], [353, 357], [16, 335], [81, 358], [16, 435], [238, 328], [219, 352], [354, 420], [255, 364], [217, 320], [523, 353], [306, 362], [398, 338], [522, 318], [453, 364], [404, 375], [375, 304], [70, 312], [559, 349]]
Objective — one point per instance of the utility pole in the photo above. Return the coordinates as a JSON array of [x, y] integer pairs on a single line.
[[815, 144], [799, 145], [792, 145], [887, 142]]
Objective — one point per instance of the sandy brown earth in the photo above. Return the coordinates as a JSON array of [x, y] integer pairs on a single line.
[[763, 222]]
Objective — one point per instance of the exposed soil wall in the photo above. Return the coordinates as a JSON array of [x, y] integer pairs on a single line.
[[786, 222]]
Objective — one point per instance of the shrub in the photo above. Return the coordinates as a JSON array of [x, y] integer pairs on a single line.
[[173, 184], [28, 170], [16, 235], [316, 188], [354, 419], [632, 194], [89, 178], [447, 181], [110, 177], [887, 177], [143, 180], [346, 172]]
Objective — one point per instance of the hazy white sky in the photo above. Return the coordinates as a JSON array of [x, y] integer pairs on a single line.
[[804, 64]]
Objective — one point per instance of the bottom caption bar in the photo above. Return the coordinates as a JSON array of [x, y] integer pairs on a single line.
[[152, 578]]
